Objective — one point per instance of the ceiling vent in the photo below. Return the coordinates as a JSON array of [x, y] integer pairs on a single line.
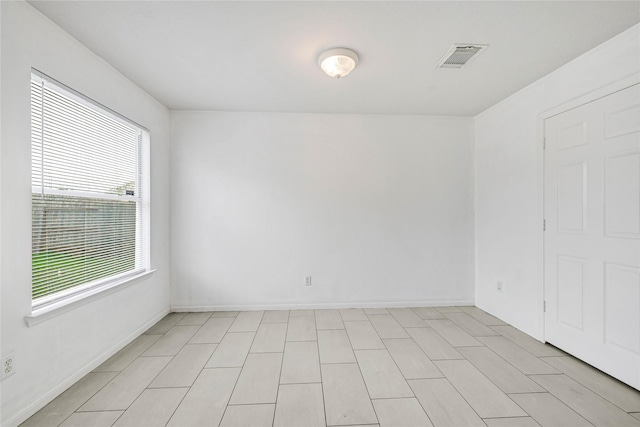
[[460, 55]]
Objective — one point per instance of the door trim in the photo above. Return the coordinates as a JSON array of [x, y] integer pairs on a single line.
[[588, 97]]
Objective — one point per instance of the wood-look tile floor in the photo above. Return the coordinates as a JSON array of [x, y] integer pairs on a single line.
[[444, 366]]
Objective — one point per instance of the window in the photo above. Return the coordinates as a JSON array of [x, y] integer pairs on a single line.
[[90, 194]]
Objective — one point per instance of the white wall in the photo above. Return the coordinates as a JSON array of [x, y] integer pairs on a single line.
[[377, 209], [53, 354], [509, 178]]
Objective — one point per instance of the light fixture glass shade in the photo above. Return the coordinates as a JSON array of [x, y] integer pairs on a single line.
[[338, 62]]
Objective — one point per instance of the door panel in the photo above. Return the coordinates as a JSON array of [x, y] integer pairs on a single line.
[[622, 198], [592, 237], [622, 120], [572, 197], [622, 298], [571, 290]]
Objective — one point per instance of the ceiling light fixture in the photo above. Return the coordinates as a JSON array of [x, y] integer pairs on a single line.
[[338, 62]]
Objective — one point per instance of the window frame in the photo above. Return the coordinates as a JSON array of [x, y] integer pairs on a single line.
[[142, 266]]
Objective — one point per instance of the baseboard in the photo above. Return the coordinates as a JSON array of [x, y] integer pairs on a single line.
[[43, 401], [334, 305]]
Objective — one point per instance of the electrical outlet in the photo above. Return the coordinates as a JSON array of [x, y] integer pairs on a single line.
[[8, 365], [307, 281], [499, 286]]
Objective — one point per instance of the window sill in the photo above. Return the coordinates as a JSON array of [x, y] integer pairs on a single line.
[[40, 315]]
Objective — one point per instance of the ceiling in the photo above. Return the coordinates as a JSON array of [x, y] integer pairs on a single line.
[[262, 56]]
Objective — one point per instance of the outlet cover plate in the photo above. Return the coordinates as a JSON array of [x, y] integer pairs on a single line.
[[8, 365]]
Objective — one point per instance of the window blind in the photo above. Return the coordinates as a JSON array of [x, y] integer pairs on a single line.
[[90, 213]]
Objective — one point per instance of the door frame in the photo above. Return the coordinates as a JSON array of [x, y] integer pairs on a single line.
[[591, 96]]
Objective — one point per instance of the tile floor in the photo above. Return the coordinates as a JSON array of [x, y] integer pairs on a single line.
[[445, 366]]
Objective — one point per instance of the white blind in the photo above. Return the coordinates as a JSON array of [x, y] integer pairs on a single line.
[[90, 202]]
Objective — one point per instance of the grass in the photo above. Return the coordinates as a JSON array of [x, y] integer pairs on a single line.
[[56, 271]]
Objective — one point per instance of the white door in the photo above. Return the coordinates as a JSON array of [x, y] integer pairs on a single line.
[[592, 236]]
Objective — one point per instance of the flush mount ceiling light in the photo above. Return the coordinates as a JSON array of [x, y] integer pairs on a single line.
[[338, 62]]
